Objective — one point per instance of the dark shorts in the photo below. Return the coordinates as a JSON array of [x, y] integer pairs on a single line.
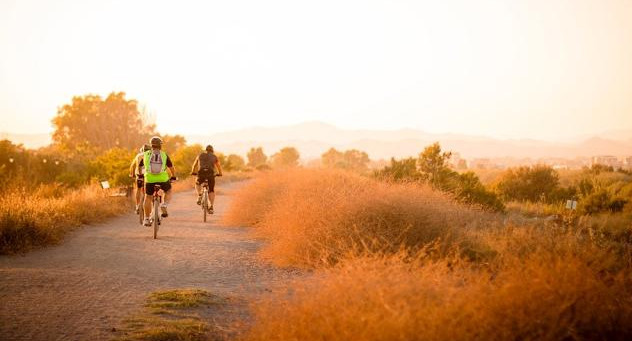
[[205, 174], [140, 181], [149, 187]]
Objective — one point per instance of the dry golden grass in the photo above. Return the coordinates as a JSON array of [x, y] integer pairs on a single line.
[[318, 217], [44, 215], [537, 288], [401, 262]]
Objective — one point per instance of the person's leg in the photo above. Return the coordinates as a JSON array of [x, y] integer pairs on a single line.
[[138, 196], [139, 188], [211, 189], [198, 189], [198, 183], [166, 187], [149, 191], [167, 197]]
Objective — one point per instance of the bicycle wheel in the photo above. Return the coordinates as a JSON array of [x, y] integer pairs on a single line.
[[204, 203], [156, 217]]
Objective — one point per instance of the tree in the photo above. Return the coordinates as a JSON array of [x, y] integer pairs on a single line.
[[332, 158], [433, 166], [12, 159], [286, 157], [354, 160], [538, 183], [402, 170], [90, 125], [113, 166], [234, 163], [172, 143], [469, 189], [256, 157], [184, 157]]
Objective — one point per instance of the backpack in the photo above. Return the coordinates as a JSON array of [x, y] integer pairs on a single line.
[[155, 162], [206, 161]]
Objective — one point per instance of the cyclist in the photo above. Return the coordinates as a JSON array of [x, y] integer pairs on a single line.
[[137, 172], [159, 170], [204, 167]]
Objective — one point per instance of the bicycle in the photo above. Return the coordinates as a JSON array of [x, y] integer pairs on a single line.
[[204, 200], [156, 217], [205, 205], [155, 214]]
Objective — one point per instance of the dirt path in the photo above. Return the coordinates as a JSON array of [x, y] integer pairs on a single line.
[[101, 274]]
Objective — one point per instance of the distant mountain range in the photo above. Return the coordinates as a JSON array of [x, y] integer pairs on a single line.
[[314, 138]]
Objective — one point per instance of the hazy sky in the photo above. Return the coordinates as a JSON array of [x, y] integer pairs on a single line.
[[541, 69]]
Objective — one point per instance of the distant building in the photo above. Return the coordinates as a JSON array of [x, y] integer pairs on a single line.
[[480, 164], [607, 160], [558, 166], [627, 162], [457, 162]]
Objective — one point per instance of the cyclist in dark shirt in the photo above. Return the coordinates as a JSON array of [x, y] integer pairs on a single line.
[[204, 167]]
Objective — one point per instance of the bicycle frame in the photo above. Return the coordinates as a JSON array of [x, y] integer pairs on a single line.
[[155, 214], [205, 199]]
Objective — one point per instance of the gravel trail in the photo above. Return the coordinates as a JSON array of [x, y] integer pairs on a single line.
[[99, 275]]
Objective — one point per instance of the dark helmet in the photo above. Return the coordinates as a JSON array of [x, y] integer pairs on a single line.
[[145, 148], [209, 148], [156, 142]]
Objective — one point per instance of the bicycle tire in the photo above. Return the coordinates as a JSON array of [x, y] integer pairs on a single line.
[[204, 203], [156, 217]]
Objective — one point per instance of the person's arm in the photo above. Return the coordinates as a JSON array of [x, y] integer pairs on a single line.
[[132, 167], [195, 165], [170, 168], [219, 168]]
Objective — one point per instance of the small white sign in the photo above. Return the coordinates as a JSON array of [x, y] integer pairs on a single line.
[[571, 204], [105, 184]]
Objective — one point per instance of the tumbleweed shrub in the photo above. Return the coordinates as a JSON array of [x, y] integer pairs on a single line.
[[39, 217], [569, 290], [315, 218], [251, 202]]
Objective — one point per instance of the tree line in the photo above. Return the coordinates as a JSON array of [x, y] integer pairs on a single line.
[[96, 138], [596, 189]]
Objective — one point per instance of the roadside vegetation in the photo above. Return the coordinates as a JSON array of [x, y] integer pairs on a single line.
[[314, 218], [35, 217], [403, 260]]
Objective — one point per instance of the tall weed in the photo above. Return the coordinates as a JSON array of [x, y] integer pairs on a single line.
[[547, 292], [31, 219], [318, 217]]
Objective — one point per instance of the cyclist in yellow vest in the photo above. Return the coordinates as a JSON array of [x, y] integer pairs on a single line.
[[159, 170]]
